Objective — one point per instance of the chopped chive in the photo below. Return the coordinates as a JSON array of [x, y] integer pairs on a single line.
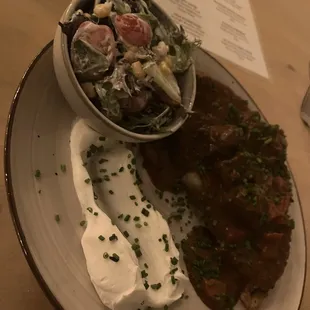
[[145, 224], [114, 257], [132, 171], [113, 174], [174, 261], [82, 223], [138, 225], [146, 266], [90, 210], [132, 197], [102, 160], [156, 286], [57, 218], [167, 247], [149, 206], [135, 247], [145, 212], [120, 216], [144, 274], [136, 218], [138, 253], [63, 168], [96, 213], [121, 169], [133, 161], [126, 234], [37, 174], [146, 285], [143, 198], [103, 170], [87, 181], [173, 271], [102, 138], [129, 155], [111, 192], [129, 166], [113, 238], [165, 238], [173, 280], [136, 204], [105, 255], [127, 218], [106, 178], [101, 238]]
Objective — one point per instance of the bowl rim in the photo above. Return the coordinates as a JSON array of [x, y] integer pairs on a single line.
[[100, 116], [10, 193]]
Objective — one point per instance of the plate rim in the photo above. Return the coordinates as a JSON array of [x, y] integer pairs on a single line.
[[9, 186]]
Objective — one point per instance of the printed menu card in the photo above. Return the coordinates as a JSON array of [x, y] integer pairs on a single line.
[[225, 28]]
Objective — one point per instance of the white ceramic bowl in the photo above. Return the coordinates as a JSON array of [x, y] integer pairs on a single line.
[[80, 103]]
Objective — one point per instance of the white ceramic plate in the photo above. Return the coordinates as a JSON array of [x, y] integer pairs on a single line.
[[37, 137]]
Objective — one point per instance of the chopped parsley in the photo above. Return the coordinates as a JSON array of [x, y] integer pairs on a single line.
[[63, 168]]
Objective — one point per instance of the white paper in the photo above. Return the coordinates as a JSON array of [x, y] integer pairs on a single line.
[[225, 28]]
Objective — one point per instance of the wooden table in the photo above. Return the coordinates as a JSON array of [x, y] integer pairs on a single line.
[[26, 26]]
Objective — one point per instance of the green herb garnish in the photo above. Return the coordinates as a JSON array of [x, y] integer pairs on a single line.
[[174, 261], [144, 274], [114, 258], [113, 237], [57, 218], [156, 287], [37, 174], [145, 212], [101, 238]]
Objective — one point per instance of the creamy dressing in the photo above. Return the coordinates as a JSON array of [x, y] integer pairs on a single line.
[[122, 285]]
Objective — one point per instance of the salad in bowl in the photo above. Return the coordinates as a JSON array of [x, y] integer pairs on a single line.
[[132, 62]]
